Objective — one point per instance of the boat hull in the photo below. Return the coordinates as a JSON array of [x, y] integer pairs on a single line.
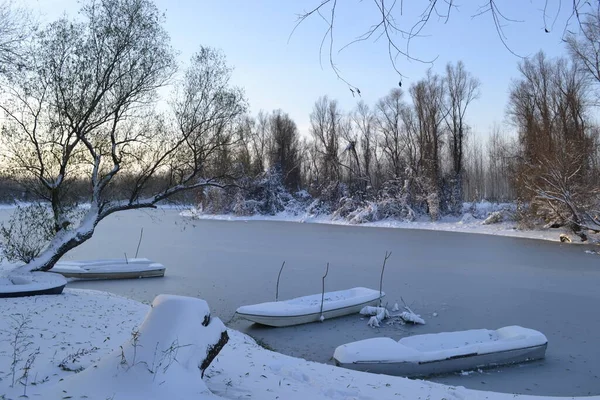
[[31, 284], [40, 292], [282, 321], [109, 269], [113, 275], [454, 364]]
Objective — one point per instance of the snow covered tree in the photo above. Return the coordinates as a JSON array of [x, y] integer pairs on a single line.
[[84, 110]]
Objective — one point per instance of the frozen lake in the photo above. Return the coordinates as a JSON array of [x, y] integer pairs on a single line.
[[470, 281]]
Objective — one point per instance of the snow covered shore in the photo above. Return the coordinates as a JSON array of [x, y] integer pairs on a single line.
[[466, 224], [70, 332]]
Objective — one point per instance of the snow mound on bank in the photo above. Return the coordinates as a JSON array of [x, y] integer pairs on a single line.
[[162, 360]]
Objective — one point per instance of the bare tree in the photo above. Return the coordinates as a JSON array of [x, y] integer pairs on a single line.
[[462, 89], [549, 105], [475, 184], [284, 148], [398, 26], [260, 142], [428, 102], [585, 46], [391, 128], [501, 158], [84, 110], [325, 129], [16, 28], [366, 142]]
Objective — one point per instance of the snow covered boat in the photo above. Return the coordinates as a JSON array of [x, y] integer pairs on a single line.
[[306, 309], [438, 353], [31, 284], [110, 269]]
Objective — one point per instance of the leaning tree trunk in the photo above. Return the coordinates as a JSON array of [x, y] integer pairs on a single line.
[[64, 241]]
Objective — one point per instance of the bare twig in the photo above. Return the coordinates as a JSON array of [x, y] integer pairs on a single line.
[[387, 255], [277, 287], [139, 243], [323, 292]]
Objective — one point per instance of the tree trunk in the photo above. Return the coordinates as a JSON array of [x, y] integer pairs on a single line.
[[64, 241]]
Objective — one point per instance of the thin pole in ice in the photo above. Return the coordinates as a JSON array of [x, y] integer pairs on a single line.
[[277, 287], [323, 293], [387, 255], [139, 242]]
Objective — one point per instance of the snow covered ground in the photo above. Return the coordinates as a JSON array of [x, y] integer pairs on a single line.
[[74, 331]]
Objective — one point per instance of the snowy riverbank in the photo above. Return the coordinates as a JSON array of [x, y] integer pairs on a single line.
[[467, 223], [73, 331]]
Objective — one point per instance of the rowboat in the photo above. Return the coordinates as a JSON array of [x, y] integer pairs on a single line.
[[115, 268], [306, 309], [439, 353], [31, 284]]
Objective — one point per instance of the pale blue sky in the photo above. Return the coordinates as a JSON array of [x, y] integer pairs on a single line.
[[277, 74]]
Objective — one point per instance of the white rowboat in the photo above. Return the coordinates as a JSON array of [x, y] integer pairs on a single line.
[[116, 268], [306, 309], [31, 284], [439, 353]]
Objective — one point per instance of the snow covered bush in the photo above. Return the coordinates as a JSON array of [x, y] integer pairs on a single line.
[[347, 206], [394, 201], [328, 199], [368, 213], [27, 232], [493, 218], [264, 195]]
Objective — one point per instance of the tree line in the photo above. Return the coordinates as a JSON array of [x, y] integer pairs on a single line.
[[415, 148]]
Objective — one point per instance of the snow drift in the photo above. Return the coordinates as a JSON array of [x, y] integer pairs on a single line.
[[164, 359]]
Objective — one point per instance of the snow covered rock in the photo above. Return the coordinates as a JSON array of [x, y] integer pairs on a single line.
[[493, 218], [564, 238], [165, 359], [409, 316]]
